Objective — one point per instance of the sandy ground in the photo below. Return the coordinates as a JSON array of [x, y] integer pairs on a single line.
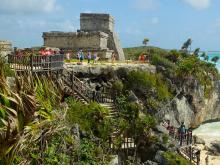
[[208, 132], [213, 160]]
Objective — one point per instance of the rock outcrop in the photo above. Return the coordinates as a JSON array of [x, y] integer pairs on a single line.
[[97, 70], [192, 107], [189, 105]]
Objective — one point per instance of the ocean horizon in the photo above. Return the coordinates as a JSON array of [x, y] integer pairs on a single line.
[[212, 54]]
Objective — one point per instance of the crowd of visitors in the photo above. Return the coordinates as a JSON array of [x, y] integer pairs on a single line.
[[143, 58], [182, 133], [90, 56], [68, 54], [184, 136]]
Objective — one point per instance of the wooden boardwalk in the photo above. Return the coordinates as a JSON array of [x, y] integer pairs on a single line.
[[36, 63], [185, 146]]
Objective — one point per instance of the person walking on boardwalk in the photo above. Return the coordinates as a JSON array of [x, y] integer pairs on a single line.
[[207, 160], [182, 131], [198, 157]]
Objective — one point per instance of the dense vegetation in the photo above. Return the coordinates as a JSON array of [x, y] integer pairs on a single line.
[[37, 128], [181, 67]]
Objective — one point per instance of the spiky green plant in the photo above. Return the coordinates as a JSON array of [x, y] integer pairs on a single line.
[[17, 110]]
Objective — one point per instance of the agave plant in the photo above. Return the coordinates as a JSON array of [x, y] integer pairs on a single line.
[[17, 108], [20, 107]]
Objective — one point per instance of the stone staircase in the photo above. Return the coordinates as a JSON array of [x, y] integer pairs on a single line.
[[76, 88]]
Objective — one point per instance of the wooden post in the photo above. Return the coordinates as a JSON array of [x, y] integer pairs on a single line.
[[72, 79], [187, 136], [190, 154], [50, 64], [31, 62]]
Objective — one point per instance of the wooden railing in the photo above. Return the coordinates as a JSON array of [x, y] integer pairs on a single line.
[[103, 97], [87, 93], [185, 140], [127, 143], [36, 62], [190, 153]]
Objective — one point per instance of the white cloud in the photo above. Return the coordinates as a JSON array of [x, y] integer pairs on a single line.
[[28, 6], [24, 23], [146, 4], [132, 31], [198, 4]]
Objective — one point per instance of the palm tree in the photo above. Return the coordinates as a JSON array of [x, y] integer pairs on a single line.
[[196, 52], [206, 58], [145, 41], [187, 45], [215, 59], [203, 55]]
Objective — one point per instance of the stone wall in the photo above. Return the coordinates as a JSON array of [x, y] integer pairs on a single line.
[[96, 22], [114, 44], [76, 41], [96, 34]]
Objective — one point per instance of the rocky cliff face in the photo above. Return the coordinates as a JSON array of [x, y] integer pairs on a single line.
[[192, 107], [190, 104]]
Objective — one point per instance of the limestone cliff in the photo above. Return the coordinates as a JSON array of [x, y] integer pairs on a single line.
[[192, 107], [189, 104]]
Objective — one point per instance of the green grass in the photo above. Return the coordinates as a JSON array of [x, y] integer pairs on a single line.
[[134, 52]]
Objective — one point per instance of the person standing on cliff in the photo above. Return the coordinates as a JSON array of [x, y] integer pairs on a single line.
[[78, 55], [68, 56], [113, 57], [95, 56], [89, 56], [81, 56]]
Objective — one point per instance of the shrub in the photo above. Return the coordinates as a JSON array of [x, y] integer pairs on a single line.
[[117, 86], [165, 138], [175, 159], [150, 84], [162, 61]]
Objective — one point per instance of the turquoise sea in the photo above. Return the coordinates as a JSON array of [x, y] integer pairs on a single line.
[[213, 54], [209, 131]]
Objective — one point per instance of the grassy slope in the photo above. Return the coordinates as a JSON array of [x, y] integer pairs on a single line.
[[134, 52]]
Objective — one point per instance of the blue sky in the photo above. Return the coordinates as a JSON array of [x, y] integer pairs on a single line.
[[167, 23]]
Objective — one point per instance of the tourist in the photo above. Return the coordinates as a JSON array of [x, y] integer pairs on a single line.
[[78, 55], [198, 157], [141, 58], [68, 56], [207, 160], [89, 56], [113, 57], [61, 51], [182, 131], [81, 56], [95, 56]]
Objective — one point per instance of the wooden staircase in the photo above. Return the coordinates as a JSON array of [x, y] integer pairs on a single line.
[[185, 148]]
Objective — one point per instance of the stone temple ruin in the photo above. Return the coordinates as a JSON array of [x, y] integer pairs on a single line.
[[96, 34], [5, 48]]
